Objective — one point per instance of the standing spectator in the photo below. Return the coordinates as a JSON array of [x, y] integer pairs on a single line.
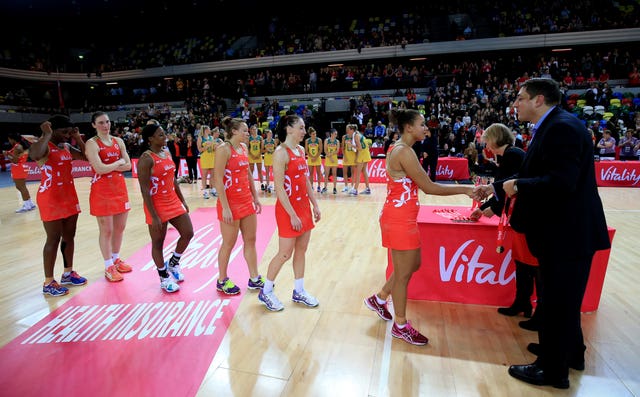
[[18, 155], [57, 198], [398, 221], [174, 145], [191, 157], [607, 145], [430, 154], [237, 204], [108, 198], [294, 216], [560, 212], [163, 204]]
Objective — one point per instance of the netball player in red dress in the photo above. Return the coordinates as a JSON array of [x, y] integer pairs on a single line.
[[163, 204], [108, 199], [18, 156], [237, 204], [398, 220], [293, 212], [57, 198]]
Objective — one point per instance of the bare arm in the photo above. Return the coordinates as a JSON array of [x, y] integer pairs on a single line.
[[39, 150], [92, 149], [223, 152]]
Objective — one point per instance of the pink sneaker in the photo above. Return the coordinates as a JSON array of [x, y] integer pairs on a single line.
[[409, 334], [381, 310]]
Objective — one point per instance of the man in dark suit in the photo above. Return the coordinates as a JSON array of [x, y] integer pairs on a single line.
[[559, 210]]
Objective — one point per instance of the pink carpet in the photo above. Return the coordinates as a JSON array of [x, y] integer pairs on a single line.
[[131, 338]]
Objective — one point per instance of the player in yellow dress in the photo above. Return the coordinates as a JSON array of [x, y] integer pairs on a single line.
[[349, 157], [363, 158], [331, 148], [255, 154], [313, 147], [269, 145]]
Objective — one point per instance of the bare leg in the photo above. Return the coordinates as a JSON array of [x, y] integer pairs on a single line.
[[248, 227], [405, 263], [229, 236]]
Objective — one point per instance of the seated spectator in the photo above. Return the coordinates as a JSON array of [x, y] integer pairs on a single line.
[[380, 130], [607, 145], [628, 144]]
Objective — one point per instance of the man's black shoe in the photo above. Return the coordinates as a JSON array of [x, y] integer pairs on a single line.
[[534, 375], [576, 364]]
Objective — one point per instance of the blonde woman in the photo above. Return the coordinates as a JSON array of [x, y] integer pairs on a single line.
[[331, 148], [349, 157], [269, 147]]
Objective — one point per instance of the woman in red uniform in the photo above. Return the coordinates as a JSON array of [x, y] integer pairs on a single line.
[[163, 204], [398, 220], [18, 156], [293, 212], [57, 199], [108, 199], [237, 204]]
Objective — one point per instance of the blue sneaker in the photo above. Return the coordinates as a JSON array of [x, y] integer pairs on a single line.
[[271, 301], [305, 298], [227, 286], [256, 284], [54, 289], [168, 284], [175, 272], [73, 279]]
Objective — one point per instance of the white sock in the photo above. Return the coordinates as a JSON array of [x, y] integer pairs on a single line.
[[380, 300], [108, 262], [115, 256], [401, 326], [299, 284], [268, 286]]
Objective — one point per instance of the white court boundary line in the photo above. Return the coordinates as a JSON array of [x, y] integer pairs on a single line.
[[385, 360]]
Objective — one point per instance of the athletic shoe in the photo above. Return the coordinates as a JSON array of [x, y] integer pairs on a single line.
[[122, 266], [409, 334], [206, 194], [175, 272], [271, 301], [345, 189], [168, 284], [32, 206], [112, 274], [305, 298], [381, 310], [366, 191], [353, 192], [227, 286], [54, 289], [214, 193], [73, 278], [324, 190], [319, 189], [335, 191], [24, 208], [269, 189], [256, 284], [263, 187]]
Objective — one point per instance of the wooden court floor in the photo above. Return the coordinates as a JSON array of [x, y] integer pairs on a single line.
[[341, 348]]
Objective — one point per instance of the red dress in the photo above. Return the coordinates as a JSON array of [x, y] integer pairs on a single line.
[[19, 170], [108, 194], [236, 185], [398, 218], [163, 192], [57, 197], [295, 185]]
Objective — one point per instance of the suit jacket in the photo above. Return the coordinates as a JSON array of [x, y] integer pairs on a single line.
[[558, 206]]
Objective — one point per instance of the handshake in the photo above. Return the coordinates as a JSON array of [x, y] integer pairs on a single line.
[[481, 192]]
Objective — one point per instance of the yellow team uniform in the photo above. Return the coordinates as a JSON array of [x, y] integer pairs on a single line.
[[348, 152], [314, 150], [269, 148], [207, 156], [364, 155], [255, 149], [331, 153]]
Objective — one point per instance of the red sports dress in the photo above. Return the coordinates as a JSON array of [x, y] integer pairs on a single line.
[[398, 218], [295, 185], [163, 192], [57, 197], [236, 185], [18, 170], [108, 194]]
